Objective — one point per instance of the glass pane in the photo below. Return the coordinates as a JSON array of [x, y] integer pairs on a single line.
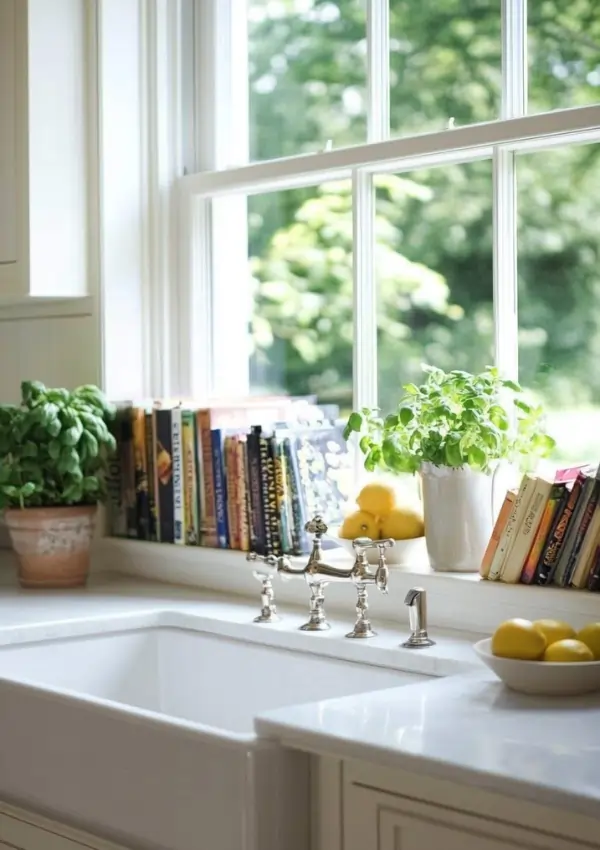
[[444, 63], [434, 273], [564, 53], [559, 292], [307, 75], [300, 249]]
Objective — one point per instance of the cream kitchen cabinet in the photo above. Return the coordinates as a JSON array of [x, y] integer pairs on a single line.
[[359, 806], [23, 830], [46, 139]]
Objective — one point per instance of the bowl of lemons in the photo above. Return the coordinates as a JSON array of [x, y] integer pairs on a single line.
[[544, 657], [380, 513]]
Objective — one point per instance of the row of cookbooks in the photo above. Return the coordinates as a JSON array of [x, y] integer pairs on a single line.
[[548, 531], [238, 475]]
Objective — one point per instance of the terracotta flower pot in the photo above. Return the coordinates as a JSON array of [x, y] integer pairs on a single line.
[[52, 544]]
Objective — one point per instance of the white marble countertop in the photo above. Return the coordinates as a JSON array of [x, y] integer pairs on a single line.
[[467, 728]]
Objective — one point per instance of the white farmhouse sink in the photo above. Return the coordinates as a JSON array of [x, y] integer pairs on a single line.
[[147, 735]]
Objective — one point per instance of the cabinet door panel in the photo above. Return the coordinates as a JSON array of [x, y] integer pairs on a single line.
[[377, 820], [404, 832], [8, 118]]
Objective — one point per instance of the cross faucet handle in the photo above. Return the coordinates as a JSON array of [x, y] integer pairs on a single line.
[[317, 526], [270, 560]]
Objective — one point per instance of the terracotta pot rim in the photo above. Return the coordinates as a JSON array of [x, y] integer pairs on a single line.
[[74, 510]]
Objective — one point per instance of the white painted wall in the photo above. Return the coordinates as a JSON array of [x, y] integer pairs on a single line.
[[61, 351]]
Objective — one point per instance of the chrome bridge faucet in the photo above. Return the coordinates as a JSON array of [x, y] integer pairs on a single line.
[[317, 574]]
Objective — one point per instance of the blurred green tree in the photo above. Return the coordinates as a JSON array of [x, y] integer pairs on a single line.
[[434, 229]]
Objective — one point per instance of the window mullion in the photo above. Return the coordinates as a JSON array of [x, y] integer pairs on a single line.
[[364, 371], [378, 70], [514, 105]]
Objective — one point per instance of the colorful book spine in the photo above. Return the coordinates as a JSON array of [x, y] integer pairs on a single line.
[[208, 522], [264, 455], [243, 493], [545, 526], [138, 424], [220, 485], [299, 543], [164, 474], [229, 452], [116, 479], [512, 527], [275, 498], [283, 498], [191, 478], [587, 514], [545, 574], [178, 477], [150, 466], [499, 526], [257, 525], [594, 577]]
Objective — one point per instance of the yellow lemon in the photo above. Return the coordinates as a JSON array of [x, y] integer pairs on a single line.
[[554, 630], [359, 524], [568, 650], [518, 639], [590, 635], [377, 498], [402, 524]]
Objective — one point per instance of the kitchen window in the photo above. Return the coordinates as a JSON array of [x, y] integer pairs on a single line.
[[374, 185]]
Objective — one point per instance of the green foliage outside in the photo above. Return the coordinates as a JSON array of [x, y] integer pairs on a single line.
[[54, 447], [433, 228]]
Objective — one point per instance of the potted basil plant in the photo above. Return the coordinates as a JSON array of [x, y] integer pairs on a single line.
[[54, 450], [454, 429]]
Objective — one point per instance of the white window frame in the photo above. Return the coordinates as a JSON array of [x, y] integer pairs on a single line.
[[207, 330]]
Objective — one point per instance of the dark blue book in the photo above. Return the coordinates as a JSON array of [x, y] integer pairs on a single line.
[[220, 480]]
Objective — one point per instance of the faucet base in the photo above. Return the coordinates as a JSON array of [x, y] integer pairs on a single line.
[[362, 631], [418, 643], [315, 626], [267, 617]]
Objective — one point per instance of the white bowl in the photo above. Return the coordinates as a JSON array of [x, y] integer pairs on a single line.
[[405, 553], [545, 678]]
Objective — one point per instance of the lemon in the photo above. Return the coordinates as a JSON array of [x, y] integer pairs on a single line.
[[377, 499], [359, 524], [590, 635], [554, 630], [402, 524], [518, 639], [568, 650]]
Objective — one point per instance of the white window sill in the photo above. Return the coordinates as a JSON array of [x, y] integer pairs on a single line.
[[455, 601], [39, 307]]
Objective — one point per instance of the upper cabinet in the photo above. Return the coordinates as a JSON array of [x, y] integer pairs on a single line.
[[46, 137]]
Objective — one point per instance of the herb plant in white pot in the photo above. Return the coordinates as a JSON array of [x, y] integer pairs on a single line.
[[454, 430]]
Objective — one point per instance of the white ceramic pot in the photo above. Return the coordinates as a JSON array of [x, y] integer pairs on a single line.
[[458, 511]]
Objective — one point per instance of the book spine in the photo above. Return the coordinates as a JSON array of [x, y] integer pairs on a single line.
[[208, 523], [164, 475], [505, 543], [298, 516], [178, 478], [257, 532], [264, 455], [554, 546], [115, 480], [243, 494], [283, 496], [275, 496], [594, 577], [220, 485], [499, 526], [141, 473], [229, 451], [150, 466], [584, 524], [542, 533], [190, 474]]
